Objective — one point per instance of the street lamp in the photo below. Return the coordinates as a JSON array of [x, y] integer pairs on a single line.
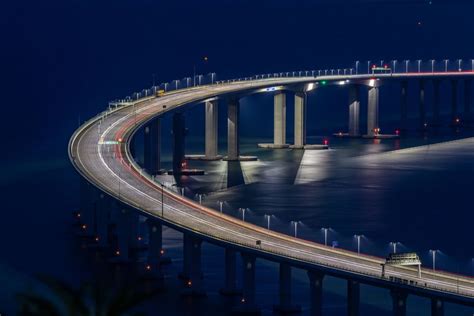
[[358, 237], [268, 220], [243, 213], [368, 66], [432, 65], [419, 65], [296, 227], [221, 204], [395, 65], [357, 67], [446, 61], [433, 255], [459, 64], [325, 235], [406, 65], [394, 244]]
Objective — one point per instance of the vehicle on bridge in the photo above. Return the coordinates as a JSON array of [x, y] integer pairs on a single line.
[[159, 93]]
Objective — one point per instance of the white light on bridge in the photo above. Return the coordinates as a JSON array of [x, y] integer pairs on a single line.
[[310, 86], [372, 82]]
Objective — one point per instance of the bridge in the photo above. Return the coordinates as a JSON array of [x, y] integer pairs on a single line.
[[115, 187]]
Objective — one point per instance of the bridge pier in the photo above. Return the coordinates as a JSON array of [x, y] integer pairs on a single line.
[[373, 112], [279, 118], [179, 133], [436, 103], [422, 110], [353, 298], [87, 208], [467, 101], [399, 302], [454, 102], [437, 307], [233, 149], [155, 258], [211, 144], [248, 305], [300, 121], [403, 106], [354, 110], [285, 306], [316, 292], [123, 230], [152, 141], [230, 286], [192, 273], [102, 220]]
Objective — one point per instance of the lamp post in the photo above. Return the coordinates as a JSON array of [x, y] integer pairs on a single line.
[[357, 67], [406, 65], [368, 67], [268, 220], [220, 206], [446, 61], [459, 64], [433, 256], [419, 65], [395, 65], [296, 228], [394, 245], [358, 242], [325, 235], [243, 213]]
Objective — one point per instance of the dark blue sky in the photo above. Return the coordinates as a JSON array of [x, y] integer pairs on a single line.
[[65, 59]]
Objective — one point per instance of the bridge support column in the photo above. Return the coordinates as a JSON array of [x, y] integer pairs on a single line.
[[373, 112], [436, 103], [87, 208], [399, 302], [212, 130], [403, 106], [437, 307], [354, 111], [152, 143], [179, 133], [102, 220], [155, 247], [233, 150], [285, 305], [230, 287], [316, 292], [122, 252], [467, 101], [353, 297], [279, 119], [192, 266], [248, 292], [134, 222], [454, 103], [300, 120], [422, 123]]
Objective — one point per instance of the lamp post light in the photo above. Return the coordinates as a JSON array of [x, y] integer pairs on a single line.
[[459, 64], [395, 65], [268, 220], [326, 235], [357, 67], [368, 67], [472, 64], [295, 225], [358, 237], [381, 63], [446, 62], [406, 65], [221, 204], [394, 245], [433, 256], [419, 65], [243, 213]]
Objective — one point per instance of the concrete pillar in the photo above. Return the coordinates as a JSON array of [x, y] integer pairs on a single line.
[[279, 118], [155, 241], [373, 111], [152, 143], [211, 129], [187, 257], [437, 307], [354, 110], [316, 292], [285, 305], [248, 291], [179, 132], [233, 150], [436, 102], [353, 297], [300, 120], [87, 208], [134, 222], [404, 105], [230, 286], [196, 271], [123, 235], [467, 100], [102, 220], [422, 105], [454, 101], [399, 302]]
